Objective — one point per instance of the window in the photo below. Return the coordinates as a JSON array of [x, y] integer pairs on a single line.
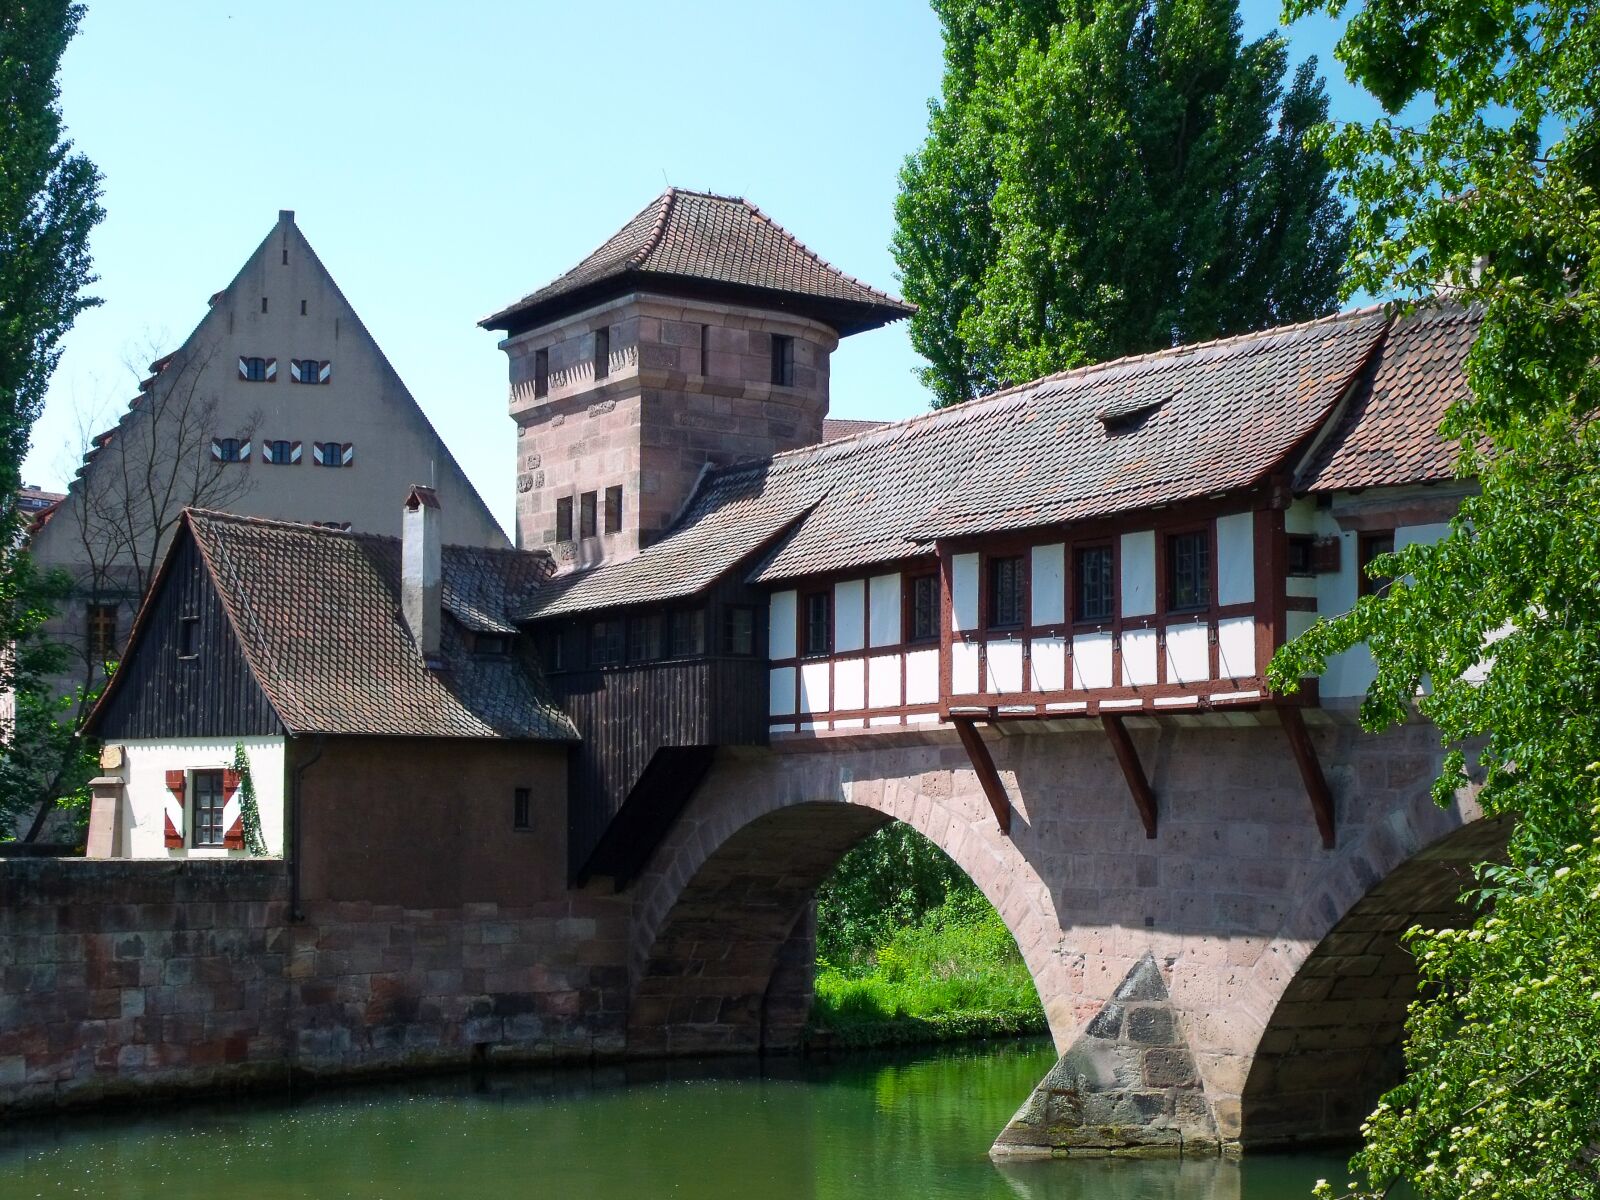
[[1373, 545], [688, 633], [1005, 592], [783, 360], [922, 609], [281, 453], [1302, 557], [564, 651], [1095, 595], [309, 370], [263, 304], [613, 510], [205, 792], [102, 631], [602, 353], [818, 631], [541, 372], [333, 454], [646, 638], [586, 526], [605, 643], [1188, 572], [738, 630], [230, 450], [564, 519], [258, 370], [188, 637], [522, 809], [705, 349], [491, 645]]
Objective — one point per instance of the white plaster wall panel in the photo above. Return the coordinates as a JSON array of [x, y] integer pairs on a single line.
[[781, 625], [964, 668], [1301, 517], [1425, 535], [1048, 584], [883, 681], [1005, 667], [1091, 661], [1349, 673], [922, 677], [1236, 647], [849, 684], [883, 624], [780, 691], [877, 721], [1139, 657], [1236, 559], [964, 591], [852, 723], [814, 687], [1299, 622], [1048, 658], [1139, 574], [849, 616], [922, 718], [1188, 652], [145, 793], [1300, 585]]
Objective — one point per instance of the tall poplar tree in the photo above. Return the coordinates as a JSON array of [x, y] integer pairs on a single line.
[[1108, 177]]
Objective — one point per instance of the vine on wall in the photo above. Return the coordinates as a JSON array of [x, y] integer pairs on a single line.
[[254, 842]]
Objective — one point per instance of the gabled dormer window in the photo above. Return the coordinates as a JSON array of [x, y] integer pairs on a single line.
[[258, 370], [310, 370]]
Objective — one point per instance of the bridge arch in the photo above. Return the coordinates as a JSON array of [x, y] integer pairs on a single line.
[[721, 909]]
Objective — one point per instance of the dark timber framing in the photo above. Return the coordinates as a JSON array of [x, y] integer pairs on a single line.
[[1132, 770], [978, 753], [1305, 757]]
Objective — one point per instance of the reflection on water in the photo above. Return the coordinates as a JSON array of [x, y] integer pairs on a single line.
[[908, 1126]]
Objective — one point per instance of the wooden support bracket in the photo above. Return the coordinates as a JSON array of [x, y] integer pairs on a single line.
[[1132, 770], [1305, 757], [978, 754]]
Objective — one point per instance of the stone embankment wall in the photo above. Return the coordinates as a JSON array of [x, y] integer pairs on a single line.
[[123, 978]]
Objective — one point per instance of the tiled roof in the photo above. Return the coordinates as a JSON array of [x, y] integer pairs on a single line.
[[1183, 423], [838, 427], [1389, 433], [700, 237], [317, 613]]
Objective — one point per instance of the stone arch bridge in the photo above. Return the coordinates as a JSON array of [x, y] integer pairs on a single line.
[[1229, 981]]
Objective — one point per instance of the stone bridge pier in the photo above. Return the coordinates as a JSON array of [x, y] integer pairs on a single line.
[[1229, 982]]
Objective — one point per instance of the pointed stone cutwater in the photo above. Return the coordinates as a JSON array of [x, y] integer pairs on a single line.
[[1127, 1085]]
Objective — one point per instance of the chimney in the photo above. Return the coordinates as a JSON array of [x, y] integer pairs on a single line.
[[421, 584]]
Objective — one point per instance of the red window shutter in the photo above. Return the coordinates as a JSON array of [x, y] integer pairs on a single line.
[[233, 837], [174, 830]]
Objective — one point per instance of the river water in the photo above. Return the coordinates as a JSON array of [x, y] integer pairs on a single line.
[[889, 1128]]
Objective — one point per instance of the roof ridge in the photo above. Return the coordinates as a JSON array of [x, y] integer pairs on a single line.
[[668, 199], [217, 514]]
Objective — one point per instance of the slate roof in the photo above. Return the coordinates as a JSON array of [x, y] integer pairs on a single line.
[[697, 237], [316, 612], [1156, 429], [1389, 433], [838, 427]]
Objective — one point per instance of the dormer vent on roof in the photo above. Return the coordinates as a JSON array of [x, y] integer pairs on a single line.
[[1129, 414]]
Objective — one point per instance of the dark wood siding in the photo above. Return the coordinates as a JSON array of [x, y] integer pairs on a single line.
[[163, 695]]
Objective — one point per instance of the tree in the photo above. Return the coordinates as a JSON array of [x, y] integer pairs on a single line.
[[1109, 177], [49, 201], [1491, 198]]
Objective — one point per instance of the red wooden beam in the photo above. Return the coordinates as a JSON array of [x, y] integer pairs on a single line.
[[1132, 770], [978, 754], [1305, 756]]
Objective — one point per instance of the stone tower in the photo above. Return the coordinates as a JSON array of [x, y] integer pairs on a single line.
[[698, 335]]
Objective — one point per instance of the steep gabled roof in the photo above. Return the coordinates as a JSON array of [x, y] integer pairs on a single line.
[[1156, 429], [316, 612], [704, 244]]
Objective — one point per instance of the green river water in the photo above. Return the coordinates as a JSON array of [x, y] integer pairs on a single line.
[[908, 1126]]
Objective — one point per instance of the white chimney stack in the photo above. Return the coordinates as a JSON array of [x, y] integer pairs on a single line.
[[421, 583]]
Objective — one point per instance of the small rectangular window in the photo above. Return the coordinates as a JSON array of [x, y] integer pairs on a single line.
[[205, 791], [491, 645], [1372, 546], [230, 450], [818, 630], [614, 510], [310, 370], [782, 360], [564, 519], [646, 638], [522, 808], [586, 526], [688, 633], [102, 631], [705, 349], [605, 643], [188, 637], [602, 353], [1005, 592], [280, 452], [922, 609], [257, 370], [1188, 572], [332, 454], [1094, 594], [1302, 558], [739, 630], [541, 372]]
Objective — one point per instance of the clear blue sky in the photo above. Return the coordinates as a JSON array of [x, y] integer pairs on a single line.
[[446, 159]]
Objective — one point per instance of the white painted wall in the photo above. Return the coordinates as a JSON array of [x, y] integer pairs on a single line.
[[1048, 657], [849, 616], [922, 677], [781, 625], [1138, 657], [1236, 648], [1091, 661], [1139, 574], [146, 763], [849, 684], [1048, 584], [781, 691], [1236, 559], [883, 681], [964, 592], [1188, 652], [884, 615], [1005, 666], [964, 668], [814, 687]]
